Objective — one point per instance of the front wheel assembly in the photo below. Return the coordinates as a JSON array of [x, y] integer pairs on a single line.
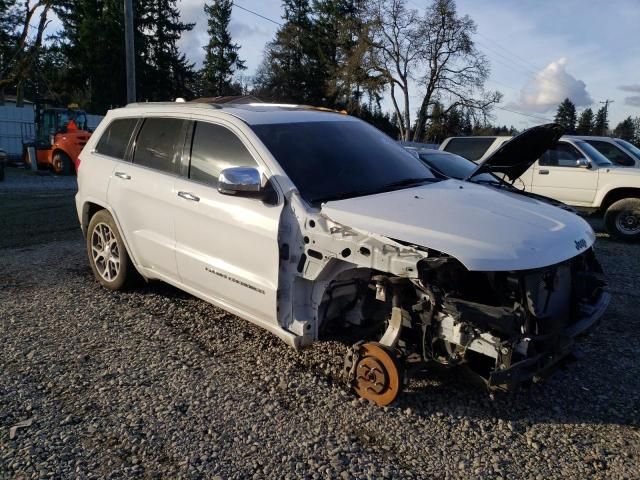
[[374, 372]]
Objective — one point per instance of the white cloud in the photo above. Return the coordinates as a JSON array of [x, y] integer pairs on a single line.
[[551, 86]]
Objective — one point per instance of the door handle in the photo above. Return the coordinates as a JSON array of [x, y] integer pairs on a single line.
[[543, 172], [189, 196], [123, 175]]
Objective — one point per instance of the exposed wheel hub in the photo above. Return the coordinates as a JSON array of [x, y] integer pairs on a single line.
[[374, 373]]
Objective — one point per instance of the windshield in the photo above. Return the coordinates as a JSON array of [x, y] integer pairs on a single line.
[[454, 166], [331, 160], [629, 147], [593, 154]]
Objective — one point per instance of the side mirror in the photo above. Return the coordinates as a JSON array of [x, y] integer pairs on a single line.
[[240, 181], [582, 163]]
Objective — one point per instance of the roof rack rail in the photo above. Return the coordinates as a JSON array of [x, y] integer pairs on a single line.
[[166, 104]]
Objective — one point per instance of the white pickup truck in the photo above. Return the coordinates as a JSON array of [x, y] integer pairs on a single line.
[[575, 173]]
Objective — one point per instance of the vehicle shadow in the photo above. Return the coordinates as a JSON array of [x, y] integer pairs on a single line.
[[580, 392]]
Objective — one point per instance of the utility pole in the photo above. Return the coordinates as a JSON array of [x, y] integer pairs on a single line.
[[129, 51], [606, 113]]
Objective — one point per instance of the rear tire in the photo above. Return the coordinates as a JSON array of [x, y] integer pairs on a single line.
[[61, 163], [1, 171], [108, 256], [622, 219]]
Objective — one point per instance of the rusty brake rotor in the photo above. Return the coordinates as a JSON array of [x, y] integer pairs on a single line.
[[377, 374]]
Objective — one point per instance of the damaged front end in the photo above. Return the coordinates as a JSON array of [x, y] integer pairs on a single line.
[[511, 327], [507, 327]]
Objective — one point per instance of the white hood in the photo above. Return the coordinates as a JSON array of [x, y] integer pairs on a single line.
[[484, 228]]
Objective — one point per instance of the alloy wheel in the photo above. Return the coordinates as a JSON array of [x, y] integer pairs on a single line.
[[105, 252]]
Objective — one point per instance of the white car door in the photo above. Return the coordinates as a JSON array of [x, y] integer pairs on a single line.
[[142, 194], [557, 175], [226, 246]]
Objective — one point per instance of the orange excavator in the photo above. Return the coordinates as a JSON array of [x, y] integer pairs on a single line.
[[60, 135]]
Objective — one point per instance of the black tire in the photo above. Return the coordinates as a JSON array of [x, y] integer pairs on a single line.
[[622, 219], [61, 163], [1, 171], [108, 256]]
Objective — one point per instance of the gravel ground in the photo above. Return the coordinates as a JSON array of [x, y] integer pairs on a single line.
[[154, 383], [36, 208]]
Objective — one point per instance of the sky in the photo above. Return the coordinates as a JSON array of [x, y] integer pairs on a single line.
[[540, 51]]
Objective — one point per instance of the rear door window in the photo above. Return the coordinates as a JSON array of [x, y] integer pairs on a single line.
[[159, 144], [613, 153], [214, 149], [115, 139], [469, 148]]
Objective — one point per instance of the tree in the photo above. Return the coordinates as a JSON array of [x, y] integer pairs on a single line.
[[437, 52], [18, 52], [291, 70], [625, 129], [636, 132], [163, 71], [601, 124], [437, 129], [585, 122], [91, 45], [394, 53], [566, 116], [341, 34], [221, 59]]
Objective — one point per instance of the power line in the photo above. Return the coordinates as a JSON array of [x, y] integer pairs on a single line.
[[537, 117], [257, 14]]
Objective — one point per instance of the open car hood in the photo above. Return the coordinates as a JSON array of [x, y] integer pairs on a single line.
[[515, 157], [485, 228]]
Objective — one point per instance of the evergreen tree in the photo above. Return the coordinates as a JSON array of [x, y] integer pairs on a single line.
[[91, 45], [290, 70], [585, 122], [636, 132], [437, 128], [625, 129], [8, 24], [467, 126], [454, 123], [163, 71], [91, 60], [601, 124], [221, 59], [566, 116]]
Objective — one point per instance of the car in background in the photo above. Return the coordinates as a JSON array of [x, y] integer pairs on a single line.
[[449, 165], [618, 151], [479, 148], [3, 163], [577, 174], [476, 148]]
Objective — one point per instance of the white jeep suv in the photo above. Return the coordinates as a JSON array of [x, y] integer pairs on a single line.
[[316, 225]]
